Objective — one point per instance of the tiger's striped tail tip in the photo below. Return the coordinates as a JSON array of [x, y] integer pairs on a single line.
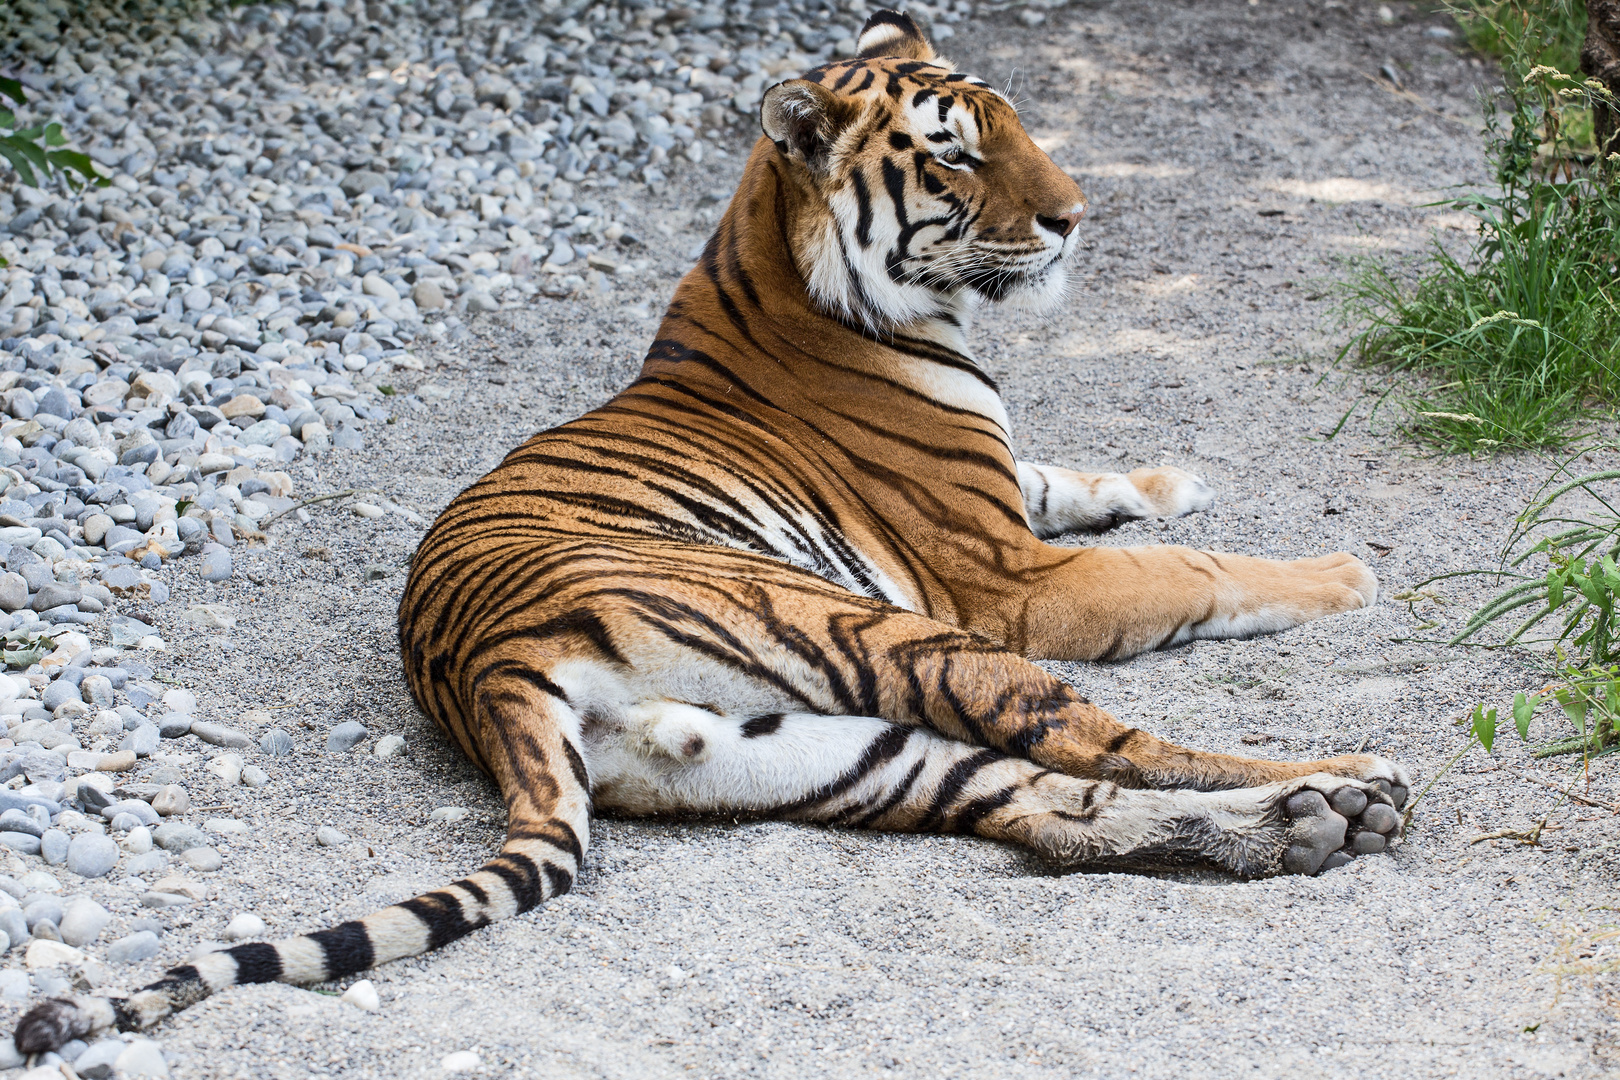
[[57, 1021]]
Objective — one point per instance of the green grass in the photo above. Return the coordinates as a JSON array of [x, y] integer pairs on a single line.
[[1518, 343]]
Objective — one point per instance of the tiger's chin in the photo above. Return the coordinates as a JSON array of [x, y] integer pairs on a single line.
[[1038, 292]]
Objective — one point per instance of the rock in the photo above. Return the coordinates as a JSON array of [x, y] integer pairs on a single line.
[[132, 948], [13, 592], [459, 1062], [202, 859], [178, 885], [227, 767], [174, 725], [91, 855], [142, 741], [44, 954], [254, 777], [97, 690], [142, 1058], [162, 900], [95, 530], [276, 743], [245, 927], [14, 986], [345, 737], [138, 841], [242, 405], [127, 632], [220, 735], [27, 843], [362, 995], [216, 563], [449, 814], [389, 746], [83, 921], [153, 862], [171, 800], [99, 1060], [326, 836], [139, 809], [211, 617], [180, 700], [374, 284], [55, 594], [174, 836], [427, 295], [53, 847]]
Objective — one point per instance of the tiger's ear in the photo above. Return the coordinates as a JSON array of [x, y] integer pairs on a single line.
[[891, 33], [803, 120]]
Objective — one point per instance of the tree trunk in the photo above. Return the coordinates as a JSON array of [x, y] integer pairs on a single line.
[[1600, 59]]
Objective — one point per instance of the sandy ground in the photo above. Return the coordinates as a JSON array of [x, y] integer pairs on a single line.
[[1236, 154]]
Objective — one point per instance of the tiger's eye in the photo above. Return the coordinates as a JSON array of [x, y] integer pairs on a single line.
[[952, 156]]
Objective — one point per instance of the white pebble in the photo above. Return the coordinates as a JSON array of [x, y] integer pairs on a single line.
[[138, 841], [363, 995], [245, 926], [459, 1062]]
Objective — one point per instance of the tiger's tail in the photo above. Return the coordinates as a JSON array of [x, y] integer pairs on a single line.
[[548, 806]]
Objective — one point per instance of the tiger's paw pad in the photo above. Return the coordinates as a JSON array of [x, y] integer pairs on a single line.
[[1172, 492], [1327, 827]]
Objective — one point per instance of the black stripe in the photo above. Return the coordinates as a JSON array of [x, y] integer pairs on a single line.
[[881, 750], [347, 947], [950, 787], [761, 725], [258, 962], [561, 880], [441, 913], [968, 818], [521, 876]]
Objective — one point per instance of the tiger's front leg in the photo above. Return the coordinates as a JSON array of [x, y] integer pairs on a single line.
[[1059, 500]]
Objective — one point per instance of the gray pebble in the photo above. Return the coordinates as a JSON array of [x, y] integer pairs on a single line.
[[141, 945], [14, 926], [143, 740], [97, 1062], [220, 735], [41, 909], [92, 854], [216, 564], [254, 777], [202, 859], [276, 743], [326, 836], [139, 809], [26, 843], [14, 985], [345, 737], [176, 836], [53, 847], [174, 725], [153, 862], [83, 921]]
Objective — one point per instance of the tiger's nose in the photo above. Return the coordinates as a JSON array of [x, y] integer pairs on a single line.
[[1062, 224]]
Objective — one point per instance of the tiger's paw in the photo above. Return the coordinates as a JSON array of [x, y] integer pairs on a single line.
[[1171, 492], [1327, 820], [1335, 583]]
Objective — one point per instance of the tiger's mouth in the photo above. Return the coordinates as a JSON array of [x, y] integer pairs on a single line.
[[1003, 281]]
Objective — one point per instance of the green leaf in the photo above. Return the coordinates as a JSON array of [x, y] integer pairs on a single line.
[[1524, 708], [1485, 727], [1555, 589], [1574, 706], [54, 136], [13, 89], [25, 172]]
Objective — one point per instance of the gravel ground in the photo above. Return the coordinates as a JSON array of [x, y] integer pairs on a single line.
[[1235, 155]]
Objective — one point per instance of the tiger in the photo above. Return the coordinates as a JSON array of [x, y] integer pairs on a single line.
[[794, 569]]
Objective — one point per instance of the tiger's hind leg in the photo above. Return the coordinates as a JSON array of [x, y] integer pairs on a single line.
[[868, 773], [526, 741]]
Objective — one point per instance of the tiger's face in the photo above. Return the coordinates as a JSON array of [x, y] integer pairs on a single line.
[[921, 195]]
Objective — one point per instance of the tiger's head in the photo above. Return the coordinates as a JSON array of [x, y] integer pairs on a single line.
[[918, 192]]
